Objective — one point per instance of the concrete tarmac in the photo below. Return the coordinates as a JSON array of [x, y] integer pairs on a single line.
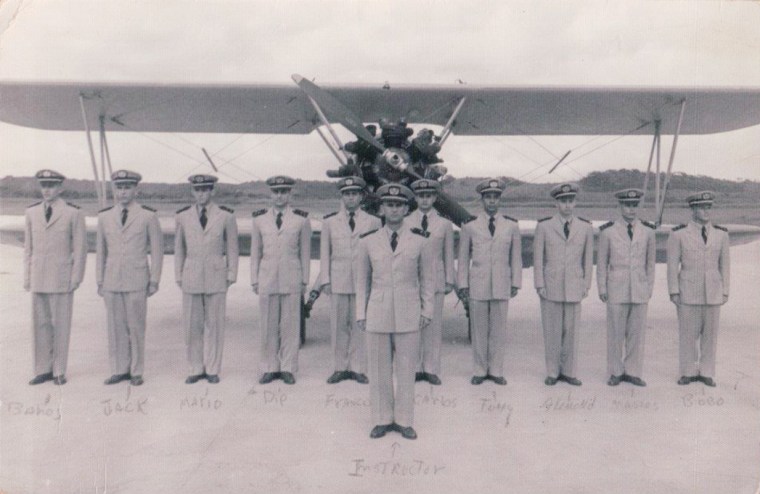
[[241, 437]]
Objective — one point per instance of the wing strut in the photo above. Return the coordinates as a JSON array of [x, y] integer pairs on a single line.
[[336, 140], [104, 152], [446, 132], [98, 187], [655, 144], [670, 162]]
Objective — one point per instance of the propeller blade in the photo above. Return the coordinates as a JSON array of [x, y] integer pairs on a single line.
[[337, 110], [451, 209]]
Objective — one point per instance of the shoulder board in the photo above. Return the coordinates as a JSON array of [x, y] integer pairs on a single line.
[[182, 210], [584, 220], [649, 224], [147, 208], [35, 204], [258, 213], [721, 228], [606, 225], [73, 205], [225, 208], [105, 209], [421, 233], [329, 215], [301, 212], [544, 219], [509, 218], [678, 227], [471, 218], [365, 234]]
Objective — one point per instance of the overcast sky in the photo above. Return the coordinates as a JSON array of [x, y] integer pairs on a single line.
[[512, 43]]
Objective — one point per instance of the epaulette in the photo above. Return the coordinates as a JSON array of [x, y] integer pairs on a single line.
[[365, 234], [225, 208], [105, 209], [606, 225], [471, 218], [649, 224], [678, 227], [421, 233], [73, 205], [721, 228], [544, 219], [329, 215], [583, 219], [182, 210], [509, 218], [259, 212], [147, 208], [301, 212], [35, 204]]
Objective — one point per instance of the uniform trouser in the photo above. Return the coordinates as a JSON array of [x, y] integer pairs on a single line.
[[559, 320], [698, 327], [51, 318], [489, 336], [126, 331], [348, 341], [626, 325], [430, 339], [203, 319], [383, 351], [280, 331]]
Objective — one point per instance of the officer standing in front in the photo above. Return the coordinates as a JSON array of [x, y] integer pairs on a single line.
[[339, 242], [489, 274], [205, 265], [625, 278], [699, 274], [442, 239], [280, 257], [394, 301], [128, 234], [55, 251], [563, 251]]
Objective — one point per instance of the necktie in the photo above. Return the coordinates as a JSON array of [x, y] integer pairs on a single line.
[[567, 229], [278, 221], [394, 241], [124, 213], [492, 225], [630, 231], [424, 223], [203, 218], [48, 212], [351, 222], [704, 233]]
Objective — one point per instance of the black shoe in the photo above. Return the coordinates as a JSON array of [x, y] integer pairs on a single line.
[[551, 381], [360, 378], [117, 378], [212, 378], [636, 381], [685, 380], [379, 431], [336, 377], [194, 379], [476, 380], [59, 380], [614, 380], [288, 377], [48, 376], [136, 381], [433, 379], [407, 432], [498, 380], [570, 380], [268, 377], [707, 380], [420, 376]]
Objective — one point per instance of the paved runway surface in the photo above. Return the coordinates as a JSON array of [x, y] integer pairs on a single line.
[[240, 437]]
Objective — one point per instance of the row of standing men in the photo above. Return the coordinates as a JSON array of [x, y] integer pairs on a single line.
[[399, 270]]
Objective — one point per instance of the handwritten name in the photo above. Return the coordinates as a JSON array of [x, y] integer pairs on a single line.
[[432, 399], [331, 401], [126, 407], [394, 468], [492, 405], [276, 397], [569, 403], [44, 409], [202, 402], [691, 400]]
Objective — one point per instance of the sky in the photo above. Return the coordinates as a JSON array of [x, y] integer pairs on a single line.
[[663, 43]]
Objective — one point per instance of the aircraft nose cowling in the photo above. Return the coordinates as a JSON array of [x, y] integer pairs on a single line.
[[396, 158]]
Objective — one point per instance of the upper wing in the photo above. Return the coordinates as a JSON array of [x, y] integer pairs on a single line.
[[284, 109]]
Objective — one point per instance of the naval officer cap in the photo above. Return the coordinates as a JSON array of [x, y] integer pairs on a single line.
[[395, 192], [125, 177], [202, 180], [280, 182], [49, 177], [491, 185], [629, 196], [351, 183], [568, 189], [705, 197], [425, 185]]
